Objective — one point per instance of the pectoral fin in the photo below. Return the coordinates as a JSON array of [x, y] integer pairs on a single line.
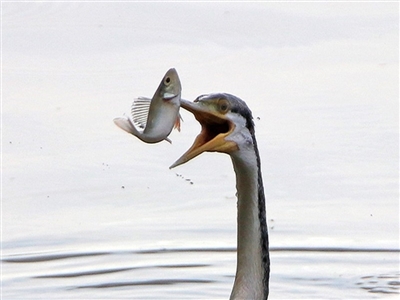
[[177, 124]]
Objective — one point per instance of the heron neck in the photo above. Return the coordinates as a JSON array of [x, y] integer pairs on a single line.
[[252, 273]]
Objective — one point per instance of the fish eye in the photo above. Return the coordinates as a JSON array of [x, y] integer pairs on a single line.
[[167, 80], [223, 105]]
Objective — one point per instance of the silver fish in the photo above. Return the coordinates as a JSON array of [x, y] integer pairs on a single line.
[[153, 119]]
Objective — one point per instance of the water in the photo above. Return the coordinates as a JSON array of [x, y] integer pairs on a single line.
[[89, 212], [200, 273]]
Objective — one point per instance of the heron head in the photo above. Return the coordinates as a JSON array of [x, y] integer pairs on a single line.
[[226, 125]]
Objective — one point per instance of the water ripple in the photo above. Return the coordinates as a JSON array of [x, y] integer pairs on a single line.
[[143, 283], [58, 256], [381, 284], [117, 270], [49, 257]]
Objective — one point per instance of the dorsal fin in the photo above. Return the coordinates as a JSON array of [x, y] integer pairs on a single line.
[[140, 111]]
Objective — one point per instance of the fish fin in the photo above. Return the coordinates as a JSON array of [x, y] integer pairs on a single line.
[[140, 111], [177, 124], [168, 140], [126, 124]]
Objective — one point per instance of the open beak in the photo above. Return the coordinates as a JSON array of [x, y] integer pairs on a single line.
[[215, 127]]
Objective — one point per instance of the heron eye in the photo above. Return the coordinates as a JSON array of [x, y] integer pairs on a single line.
[[167, 80], [223, 106]]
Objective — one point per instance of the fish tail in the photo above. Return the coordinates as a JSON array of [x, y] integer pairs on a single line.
[[126, 125]]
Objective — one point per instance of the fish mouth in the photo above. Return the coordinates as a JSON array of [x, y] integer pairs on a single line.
[[169, 96], [215, 127]]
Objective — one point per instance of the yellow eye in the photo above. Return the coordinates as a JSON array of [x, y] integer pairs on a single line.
[[223, 106]]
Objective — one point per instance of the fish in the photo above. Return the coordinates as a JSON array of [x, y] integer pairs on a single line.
[[153, 119]]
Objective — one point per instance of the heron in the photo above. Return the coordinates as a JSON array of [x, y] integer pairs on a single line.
[[227, 126]]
